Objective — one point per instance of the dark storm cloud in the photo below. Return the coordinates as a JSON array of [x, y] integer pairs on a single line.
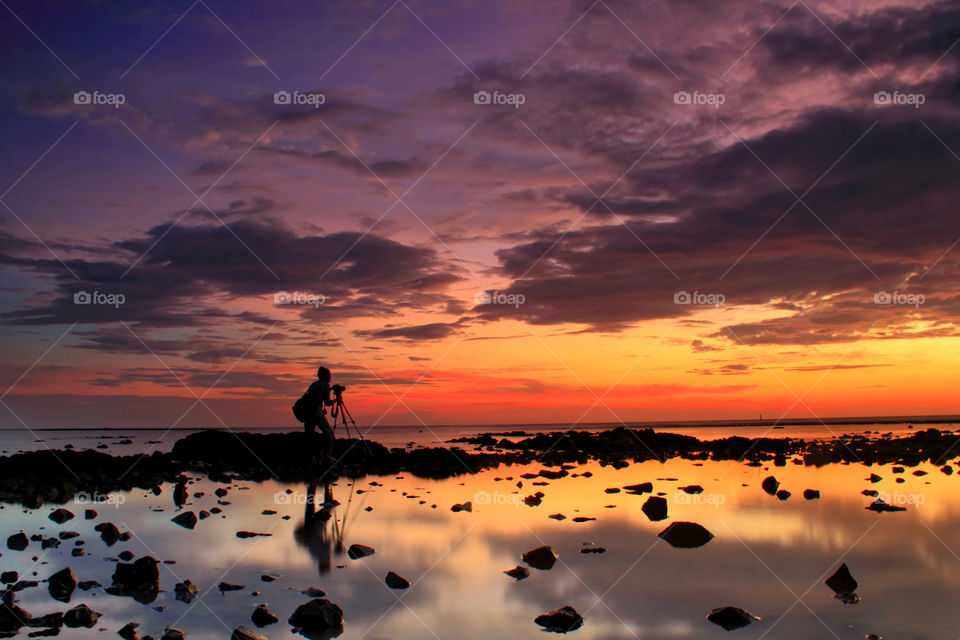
[[432, 331]]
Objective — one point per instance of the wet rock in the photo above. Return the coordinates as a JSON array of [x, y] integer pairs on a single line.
[[108, 533], [186, 591], [48, 543], [686, 535], [655, 508], [357, 551], [639, 489], [173, 634], [562, 620], [518, 573], [612, 490], [246, 633], [542, 558], [129, 631], [8, 577], [313, 592], [262, 616], [880, 506], [946, 470], [67, 535], [557, 516], [584, 519], [593, 550], [731, 618], [61, 585], [187, 519], [61, 515], [126, 555], [874, 478], [844, 585], [873, 493], [12, 617], [770, 485], [534, 500], [268, 577], [226, 586], [811, 494], [81, 616], [23, 584], [252, 534], [466, 506], [49, 621], [204, 514], [89, 514], [317, 616], [180, 492], [783, 494], [86, 585], [395, 581], [692, 489], [139, 580], [18, 542]]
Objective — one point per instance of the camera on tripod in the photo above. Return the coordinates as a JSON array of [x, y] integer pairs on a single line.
[[338, 389]]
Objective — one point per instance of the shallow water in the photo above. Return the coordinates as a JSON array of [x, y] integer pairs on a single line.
[[769, 557]]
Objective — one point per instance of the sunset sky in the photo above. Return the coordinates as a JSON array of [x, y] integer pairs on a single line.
[[794, 164]]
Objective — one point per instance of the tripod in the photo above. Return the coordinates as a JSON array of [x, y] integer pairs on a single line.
[[341, 415]]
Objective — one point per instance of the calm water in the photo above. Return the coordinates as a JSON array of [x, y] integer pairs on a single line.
[[768, 557]]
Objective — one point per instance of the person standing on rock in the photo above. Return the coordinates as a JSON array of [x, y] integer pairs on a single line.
[[311, 410]]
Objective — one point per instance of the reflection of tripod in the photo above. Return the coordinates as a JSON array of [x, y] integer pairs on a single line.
[[341, 415]]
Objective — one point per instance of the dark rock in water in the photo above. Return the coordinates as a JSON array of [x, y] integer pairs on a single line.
[[81, 616], [686, 535], [129, 631], [187, 519], [318, 616], [919, 473], [593, 550], [534, 500], [655, 508], [262, 617], [873, 493], [692, 489], [252, 534], [267, 577], [226, 586], [246, 633], [770, 485], [23, 584], [126, 555], [466, 506], [60, 516], [518, 573], [553, 475], [947, 470], [612, 490], [313, 592], [173, 634], [204, 514], [221, 492], [844, 585], [557, 516], [874, 478], [811, 494], [731, 618], [562, 620], [139, 580], [48, 543], [49, 621], [8, 577], [18, 542], [880, 506], [108, 533], [61, 585], [639, 489], [542, 558], [395, 581], [67, 535], [357, 551], [783, 494], [86, 585], [12, 617], [186, 591], [89, 514]]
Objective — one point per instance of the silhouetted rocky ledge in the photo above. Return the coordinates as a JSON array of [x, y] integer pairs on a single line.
[[39, 477]]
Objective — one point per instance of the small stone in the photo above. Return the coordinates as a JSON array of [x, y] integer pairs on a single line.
[[357, 551], [542, 558], [81, 616], [61, 515], [262, 616], [518, 573], [562, 620], [395, 581], [187, 519], [731, 618]]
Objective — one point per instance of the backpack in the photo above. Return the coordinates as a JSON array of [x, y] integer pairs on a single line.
[[304, 409]]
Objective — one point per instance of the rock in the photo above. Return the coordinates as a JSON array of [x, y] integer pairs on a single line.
[[204, 514], [226, 586], [357, 551], [8, 577], [129, 631], [108, 533], [267, 577], [18, 542], [313, 592], [126, 555], [686, 535], [874, 478], [89, 514], [612, 490], [562, 620], [49, 621], [81, 616], [873, 493], [60, 516], [173, 634], [12, 617], [639, 489], [186, 591], [518, 573], [48, 543], [655, 508], [731, 618], [187, 519], [139, 580], [262, 616], [844, 585], [811, 494], [317, 616], [61, 585], [783, 494], [593, 550], [542, 558], [466, 506], [395, 581], [770, 485], [692, 489], [246, 633], [86, 585], [534, 500], [252, 534], [880, 506], [557, 516]]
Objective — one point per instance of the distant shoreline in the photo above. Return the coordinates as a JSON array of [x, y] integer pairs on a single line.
[[553, 426]]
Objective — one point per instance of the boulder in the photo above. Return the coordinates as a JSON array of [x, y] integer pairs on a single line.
[[770, 485], [542, 558], [317, 616], [246, 633], [518, 573], [811, 494], [139, 580], [187, 519], [89, 514], [655, 508], [18, 542], [8, 577], [61, 585], [686, 535], [395, 581], [731, 618], [81, 616], [562, 620], [262, 616], [357, 551], [129, 631], [61, 515], [108, 533], [783, 494], [844, 585], [186, 591]]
